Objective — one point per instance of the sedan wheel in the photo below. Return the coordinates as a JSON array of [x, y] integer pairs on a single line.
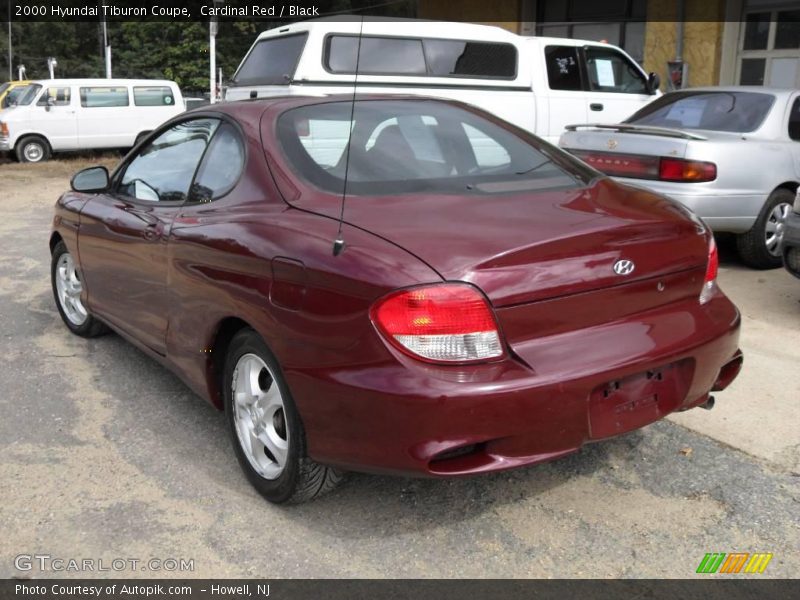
[[67, 288], [775, 226], [760, 247], [266, 429]]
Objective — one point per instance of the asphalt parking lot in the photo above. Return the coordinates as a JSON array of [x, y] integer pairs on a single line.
[[106, 455]]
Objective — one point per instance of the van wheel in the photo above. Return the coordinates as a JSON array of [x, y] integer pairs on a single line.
[[760, 248], [33, 149]]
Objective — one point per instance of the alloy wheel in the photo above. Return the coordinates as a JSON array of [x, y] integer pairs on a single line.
[[260, 417], [69, 288], [774, 227]]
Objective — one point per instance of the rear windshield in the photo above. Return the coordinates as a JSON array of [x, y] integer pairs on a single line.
[[271, 61], [419, 146], [716, 111]]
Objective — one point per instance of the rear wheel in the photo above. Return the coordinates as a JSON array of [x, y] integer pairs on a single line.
[[67, 288], [265, 427], [760, 248], [32, 149]]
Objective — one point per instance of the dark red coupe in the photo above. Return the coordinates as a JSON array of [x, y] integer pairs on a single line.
[[496, 302]]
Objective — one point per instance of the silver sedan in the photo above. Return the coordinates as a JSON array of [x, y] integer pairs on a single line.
[[731, 154]]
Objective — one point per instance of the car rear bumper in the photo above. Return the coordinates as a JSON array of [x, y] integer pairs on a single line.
[[723, 210], [403, 417], [791, 244], [5, 144]]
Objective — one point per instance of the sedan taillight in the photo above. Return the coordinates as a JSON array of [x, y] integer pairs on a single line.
[[710, 281], [677, 169], [445, 323]]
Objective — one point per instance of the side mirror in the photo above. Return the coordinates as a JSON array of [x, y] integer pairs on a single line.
[[653, 83], [49, 102], [91, 180]]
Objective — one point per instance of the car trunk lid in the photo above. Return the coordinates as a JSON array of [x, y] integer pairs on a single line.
[[525, 248]]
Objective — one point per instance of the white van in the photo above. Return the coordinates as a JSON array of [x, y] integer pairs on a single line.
[[539, 84], [58, 115]]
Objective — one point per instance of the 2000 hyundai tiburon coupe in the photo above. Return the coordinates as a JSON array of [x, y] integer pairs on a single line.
[[497, 303]]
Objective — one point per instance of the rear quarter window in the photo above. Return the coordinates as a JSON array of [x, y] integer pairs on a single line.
[[153, 96]]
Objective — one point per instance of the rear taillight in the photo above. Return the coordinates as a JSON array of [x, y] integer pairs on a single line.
[[710, 281], [448, 323], [677, 169], [649, 167], [3, 129]]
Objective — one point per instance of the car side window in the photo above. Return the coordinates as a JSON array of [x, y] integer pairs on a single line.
[[794, 120], [163, 169], [221, 167], [60, 96], [563, 68], [611, 71]]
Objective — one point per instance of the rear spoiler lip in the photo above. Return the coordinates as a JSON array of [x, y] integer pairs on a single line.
[[625, 128]]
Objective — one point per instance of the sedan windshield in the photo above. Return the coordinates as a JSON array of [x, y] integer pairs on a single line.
[[739, 112], [419, 145]]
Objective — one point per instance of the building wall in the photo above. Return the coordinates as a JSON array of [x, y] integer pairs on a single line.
[[702, 38], [501, 13]]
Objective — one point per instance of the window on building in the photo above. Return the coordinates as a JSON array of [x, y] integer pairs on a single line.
[[618, 22], [769, 49]]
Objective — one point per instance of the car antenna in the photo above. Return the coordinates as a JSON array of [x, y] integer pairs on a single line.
[[338, 244]]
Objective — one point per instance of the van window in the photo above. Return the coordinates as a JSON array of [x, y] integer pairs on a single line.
[[449, 58], [563, 68], [611, 71], [271, 61], [379, 56], [92, 97], [221, 166], [60, 96], [153, 96], [21, 95]]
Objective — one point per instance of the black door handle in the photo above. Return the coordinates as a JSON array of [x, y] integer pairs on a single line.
[[596, 106]]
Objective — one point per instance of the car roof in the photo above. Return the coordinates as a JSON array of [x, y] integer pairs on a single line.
[[242, 107], [101, 81]]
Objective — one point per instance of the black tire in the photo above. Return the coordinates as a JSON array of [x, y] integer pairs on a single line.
[[90, 327], [32, 149], [752, 245], [301, 479]]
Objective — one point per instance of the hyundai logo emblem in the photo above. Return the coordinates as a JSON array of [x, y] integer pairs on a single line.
[[624, 267]]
